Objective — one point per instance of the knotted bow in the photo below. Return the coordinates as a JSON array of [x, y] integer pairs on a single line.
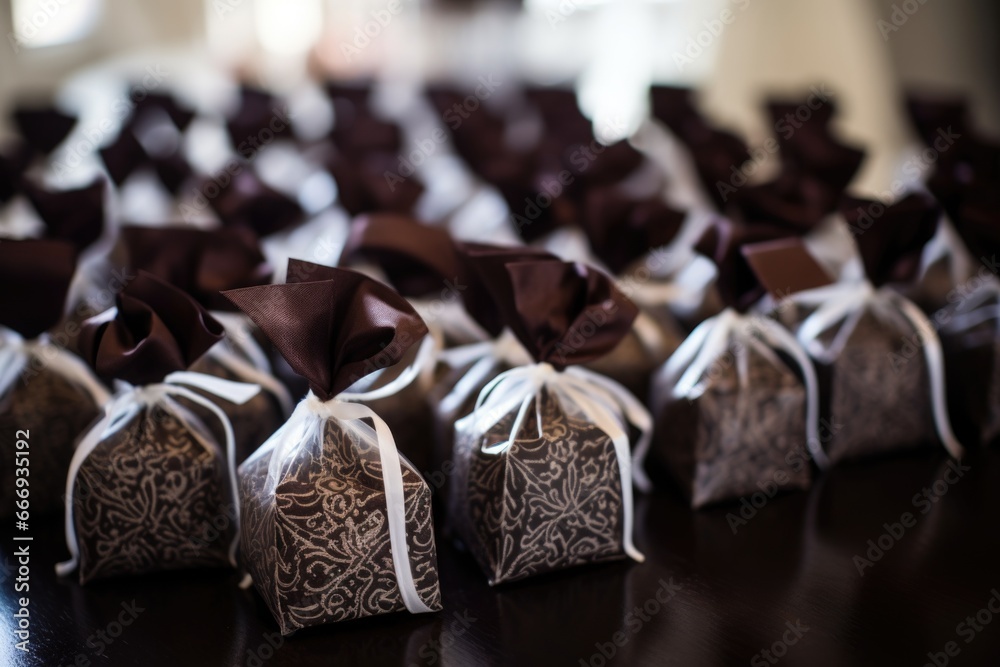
[[16, 354], [604, 402], [846, 302], [307, 425], [712, 338]]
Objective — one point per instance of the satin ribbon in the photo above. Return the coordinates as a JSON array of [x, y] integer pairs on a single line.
[[306, 428], [947, 244], [973, 310], [240, 339], [129, 402], [846, 302], [486, 358], [16, 355], [676, 276], [449, 318], [423, 364], [711, 339], [603, 401]]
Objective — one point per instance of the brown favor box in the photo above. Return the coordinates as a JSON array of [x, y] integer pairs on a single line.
[[318, 548], [738, 434], [553, 498], [315, 538], [546, 503], [742, 428], [154, 494], [875, 387], [152, 497], [54, 409]]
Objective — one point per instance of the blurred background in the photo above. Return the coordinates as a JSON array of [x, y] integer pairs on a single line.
[[735, 52]]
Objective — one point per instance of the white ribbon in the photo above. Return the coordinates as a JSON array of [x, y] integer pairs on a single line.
[[602, 401], [946, 244], [423, 361], [711, 339], [846, 302], [16, 355], [486, 358], [240, 339], [128, 402], [980, 306], [449, 318], [307, 425]]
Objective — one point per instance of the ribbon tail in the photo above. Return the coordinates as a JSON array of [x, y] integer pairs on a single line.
[[395, 500], [935, 369], [786, 341], [636, 414], [606, 421], [230, 445], [83, 449]]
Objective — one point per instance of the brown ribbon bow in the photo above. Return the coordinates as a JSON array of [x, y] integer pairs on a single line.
[[417, 259], [332, 326], [483, 275], [621, 229], [722, 243], [35, 275], [891, 238], [246, 201], [43, 127], [564, 313], [157, 330], [200, 262], [75, 215]]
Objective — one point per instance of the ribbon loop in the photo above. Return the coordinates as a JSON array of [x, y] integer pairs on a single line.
[[712, 338], [604, 402], [129, 402], [16, 354], [845, 303]]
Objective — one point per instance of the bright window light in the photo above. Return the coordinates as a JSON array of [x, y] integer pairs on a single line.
[[39, 23], [288, 28]]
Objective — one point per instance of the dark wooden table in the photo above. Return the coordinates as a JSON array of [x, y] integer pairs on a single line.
[[787, 582]]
